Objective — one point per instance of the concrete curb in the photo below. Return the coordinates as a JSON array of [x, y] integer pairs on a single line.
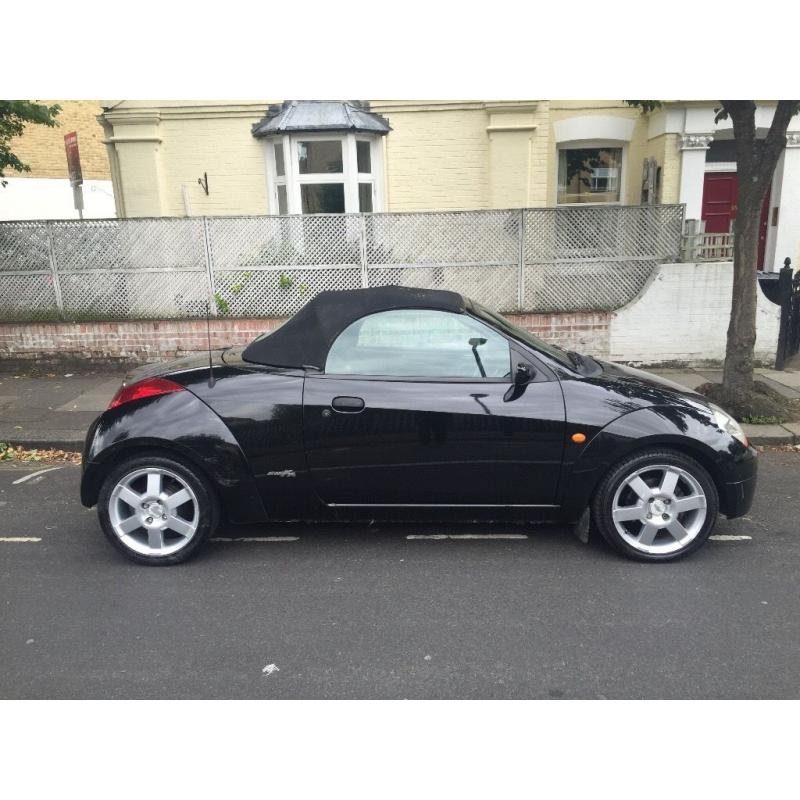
[[771, 434], [70, 445]]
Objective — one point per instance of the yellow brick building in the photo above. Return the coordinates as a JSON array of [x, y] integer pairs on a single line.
[[175, 158], [42, 148], [45, 192]]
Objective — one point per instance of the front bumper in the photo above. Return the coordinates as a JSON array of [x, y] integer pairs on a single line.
[[738, 487]]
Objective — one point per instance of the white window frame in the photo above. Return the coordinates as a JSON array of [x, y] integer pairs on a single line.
[[602, 144], [349, 176]]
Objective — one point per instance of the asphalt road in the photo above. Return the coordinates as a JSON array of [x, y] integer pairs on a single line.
[[360, 612]]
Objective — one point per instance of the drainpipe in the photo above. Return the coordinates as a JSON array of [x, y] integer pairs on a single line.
[[187, 206]]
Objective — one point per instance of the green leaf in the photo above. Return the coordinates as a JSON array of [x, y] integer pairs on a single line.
[[222, 304], [15, 115]]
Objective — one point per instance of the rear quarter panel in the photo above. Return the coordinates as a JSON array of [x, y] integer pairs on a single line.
[[178, 423]]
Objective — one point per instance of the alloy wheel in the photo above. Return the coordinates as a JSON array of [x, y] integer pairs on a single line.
[[153, 511], [659, 509]]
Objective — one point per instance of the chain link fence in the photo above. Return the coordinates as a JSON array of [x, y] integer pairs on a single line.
[[533, 260]]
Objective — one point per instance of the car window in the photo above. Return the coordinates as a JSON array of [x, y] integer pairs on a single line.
[[558, 353], [420, 343]]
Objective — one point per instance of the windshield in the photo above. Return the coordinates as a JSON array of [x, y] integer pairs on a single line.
[[522, 335]]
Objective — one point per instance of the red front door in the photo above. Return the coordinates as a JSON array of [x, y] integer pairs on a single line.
[[720, 190]]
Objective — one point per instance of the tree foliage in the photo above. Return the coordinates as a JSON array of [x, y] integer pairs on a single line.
[[14, 116]]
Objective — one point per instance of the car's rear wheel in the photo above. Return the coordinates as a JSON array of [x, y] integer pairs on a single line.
[[656, 505], [157, 510]]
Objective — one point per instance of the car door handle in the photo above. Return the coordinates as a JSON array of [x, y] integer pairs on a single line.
[[348, 405]]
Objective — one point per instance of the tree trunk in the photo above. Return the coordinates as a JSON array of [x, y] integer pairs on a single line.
[[755, 162], [738, 370]]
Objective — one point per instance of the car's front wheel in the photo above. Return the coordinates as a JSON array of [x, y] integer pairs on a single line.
[[156, 510], [656, 505]]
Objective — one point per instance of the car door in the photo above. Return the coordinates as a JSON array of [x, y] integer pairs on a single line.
[[417, 407]]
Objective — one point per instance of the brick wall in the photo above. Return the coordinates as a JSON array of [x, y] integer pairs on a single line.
[[144, 341], [42, 148], [680, 317]]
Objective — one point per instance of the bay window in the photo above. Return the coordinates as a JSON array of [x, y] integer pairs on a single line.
[[324, 173]]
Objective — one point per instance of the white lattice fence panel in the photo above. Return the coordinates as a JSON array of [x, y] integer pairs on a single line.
[[494, 287], [582, 286], [151, 294], [594, 258], [459, 237], [27, 297], [267, 266], [23, 247], [296, 241], [277, 292], [563, 259], [129, 244], [27, 290]]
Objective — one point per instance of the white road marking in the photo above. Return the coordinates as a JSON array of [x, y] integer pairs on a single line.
[[467, 536], [34, 475], [20, 539], [258, 539], [728, 538]]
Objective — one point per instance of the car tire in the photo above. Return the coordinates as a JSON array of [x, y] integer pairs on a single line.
[[656, 505], [156, 510]]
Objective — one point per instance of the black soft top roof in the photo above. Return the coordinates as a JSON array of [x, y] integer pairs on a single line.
[[304, 339]]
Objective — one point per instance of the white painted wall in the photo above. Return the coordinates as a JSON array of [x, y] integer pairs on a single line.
[[51, 198], [786, 195], [693, 164], [682, 315]]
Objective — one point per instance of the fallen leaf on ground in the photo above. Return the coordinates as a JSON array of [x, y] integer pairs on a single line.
[[10, 453]]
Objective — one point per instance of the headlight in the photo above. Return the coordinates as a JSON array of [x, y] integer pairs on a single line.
[[729, 424]]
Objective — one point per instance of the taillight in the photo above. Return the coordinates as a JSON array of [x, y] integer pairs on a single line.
[[149, 387]]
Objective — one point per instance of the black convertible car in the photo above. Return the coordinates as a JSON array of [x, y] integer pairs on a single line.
[[394, 402]]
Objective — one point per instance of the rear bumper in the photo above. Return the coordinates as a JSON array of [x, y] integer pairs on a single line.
[[89, 473], [739, 486]]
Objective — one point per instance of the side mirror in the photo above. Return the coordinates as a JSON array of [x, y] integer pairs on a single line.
[[523, 375]]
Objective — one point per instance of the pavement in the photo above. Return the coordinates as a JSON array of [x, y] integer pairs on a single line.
[[54, 409], [333, 611]]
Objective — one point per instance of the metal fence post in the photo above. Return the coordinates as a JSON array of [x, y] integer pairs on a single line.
[[521, 265], [212, 288], [51, 255], [785, 295], [362, 250]]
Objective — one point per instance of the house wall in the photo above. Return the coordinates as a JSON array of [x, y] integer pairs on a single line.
[[52, 198], [222, 147], [561, 110], [42, 148], [439, 155], [162, 149]]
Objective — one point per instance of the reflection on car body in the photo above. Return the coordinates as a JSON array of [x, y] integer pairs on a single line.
[[389, 402]]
